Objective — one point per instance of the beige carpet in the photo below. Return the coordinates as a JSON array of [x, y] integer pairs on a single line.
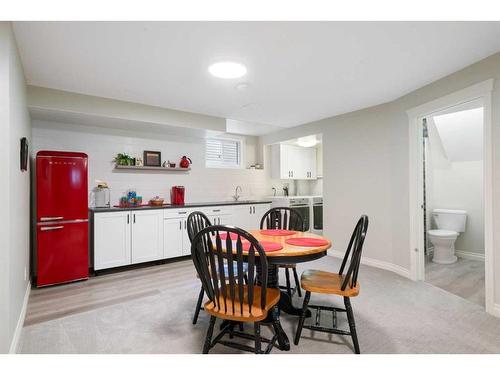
[[393, 315]]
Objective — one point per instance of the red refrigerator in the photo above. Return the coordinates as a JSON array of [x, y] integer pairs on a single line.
[[61, 217]]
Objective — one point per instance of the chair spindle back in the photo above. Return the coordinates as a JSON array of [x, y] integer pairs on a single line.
[[354, 248], [282, 218], [211, 254]]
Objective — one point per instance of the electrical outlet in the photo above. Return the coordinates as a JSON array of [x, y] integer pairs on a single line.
[[25, 274]]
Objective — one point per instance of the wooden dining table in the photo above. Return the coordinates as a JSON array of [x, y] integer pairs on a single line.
[[289, 254]]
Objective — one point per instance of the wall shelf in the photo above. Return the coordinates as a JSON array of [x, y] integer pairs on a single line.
[[147, 168]]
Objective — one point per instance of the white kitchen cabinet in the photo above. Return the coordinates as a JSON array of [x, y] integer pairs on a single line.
[[219, 215], [147, 235], [112, 246], [128, 237], [258, 211], [248, 217], [173, 237], [309, 166], [291, 162]]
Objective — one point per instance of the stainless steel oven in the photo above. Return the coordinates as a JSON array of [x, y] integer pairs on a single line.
[[317, 215]]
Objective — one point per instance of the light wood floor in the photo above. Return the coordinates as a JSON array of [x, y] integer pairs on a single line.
[[465, 278], [58, 301]]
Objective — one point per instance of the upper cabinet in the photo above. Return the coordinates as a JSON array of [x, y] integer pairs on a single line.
[[291, 162]]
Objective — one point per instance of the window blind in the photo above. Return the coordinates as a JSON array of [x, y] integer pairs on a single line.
[[223, 153]]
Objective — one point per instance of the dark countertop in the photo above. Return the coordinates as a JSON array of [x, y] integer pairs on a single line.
[[187, 205]]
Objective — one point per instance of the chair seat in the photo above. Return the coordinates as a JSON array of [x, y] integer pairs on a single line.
[[326, 283], [257, 314]]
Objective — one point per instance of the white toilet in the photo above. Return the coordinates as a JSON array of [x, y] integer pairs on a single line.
[[450, 224]]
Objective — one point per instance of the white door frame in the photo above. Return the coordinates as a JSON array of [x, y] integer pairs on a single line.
[[480, 91]]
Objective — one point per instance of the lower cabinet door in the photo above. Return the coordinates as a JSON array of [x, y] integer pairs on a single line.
[[173, 234], [186, 243], [258, 212], [112, 239], [241, 217], [147, 235]]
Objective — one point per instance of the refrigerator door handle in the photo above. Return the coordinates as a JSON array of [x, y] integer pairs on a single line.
[[51, 218], [43, 229]]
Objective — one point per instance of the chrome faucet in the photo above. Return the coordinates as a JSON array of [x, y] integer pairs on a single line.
[[236, 196]]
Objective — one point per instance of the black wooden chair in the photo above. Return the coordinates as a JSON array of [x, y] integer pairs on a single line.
[[289, 219], [229, 297], [345, 285], [197, 221]]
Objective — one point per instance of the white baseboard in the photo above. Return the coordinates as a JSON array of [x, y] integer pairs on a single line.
[[495, 311], [377, 264], [14, 345], [469, 255], [463, 254]]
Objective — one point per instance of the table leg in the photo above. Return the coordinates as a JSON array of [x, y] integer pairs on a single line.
[[274, 315]]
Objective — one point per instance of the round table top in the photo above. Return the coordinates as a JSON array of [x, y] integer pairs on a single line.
[[292, 251]]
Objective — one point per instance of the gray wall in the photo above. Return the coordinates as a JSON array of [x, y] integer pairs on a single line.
[[366, 168], [15, 188]]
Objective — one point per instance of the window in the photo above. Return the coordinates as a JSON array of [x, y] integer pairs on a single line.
[[223, 153]]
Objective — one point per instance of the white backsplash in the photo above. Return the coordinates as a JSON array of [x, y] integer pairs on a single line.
[[102, 145], [202, 184]]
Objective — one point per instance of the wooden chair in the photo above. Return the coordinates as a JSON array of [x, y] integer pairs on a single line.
[[290, 219], [229, 297], [345, 285], [197, 221]]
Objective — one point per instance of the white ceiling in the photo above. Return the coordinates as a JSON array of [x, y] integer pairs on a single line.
[[297, 71]]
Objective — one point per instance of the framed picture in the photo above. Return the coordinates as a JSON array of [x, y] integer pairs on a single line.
[[152, 158], [24, 154]]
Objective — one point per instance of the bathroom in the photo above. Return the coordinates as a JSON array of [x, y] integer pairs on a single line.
[[453, 201]]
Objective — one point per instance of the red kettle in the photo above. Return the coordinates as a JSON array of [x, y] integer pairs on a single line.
[[185, 161]]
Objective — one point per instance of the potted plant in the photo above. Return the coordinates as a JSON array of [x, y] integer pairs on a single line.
[[123, 159]]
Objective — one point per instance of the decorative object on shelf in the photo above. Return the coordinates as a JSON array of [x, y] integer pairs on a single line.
[[168, 164], [101, 194], [124, 159], [185, 162], [152, 158], [131, 199], [138, 162], [24, 154], [156, 201]]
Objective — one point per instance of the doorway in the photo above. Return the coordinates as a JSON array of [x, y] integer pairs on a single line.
[[482, 93], [453, 205]]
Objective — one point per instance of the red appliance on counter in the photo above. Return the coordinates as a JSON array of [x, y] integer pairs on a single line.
[[177, 195], [61, 217]]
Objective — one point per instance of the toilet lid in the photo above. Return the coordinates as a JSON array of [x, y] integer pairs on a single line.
[[442, 232]]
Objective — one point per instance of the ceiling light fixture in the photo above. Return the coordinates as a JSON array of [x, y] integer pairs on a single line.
[[308, 141], [227, 70]]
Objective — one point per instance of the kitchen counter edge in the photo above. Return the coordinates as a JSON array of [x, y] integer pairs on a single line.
[[187, 205]]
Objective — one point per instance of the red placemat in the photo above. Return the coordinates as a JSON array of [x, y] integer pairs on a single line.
[[223, 236], [306, 241], [266, 245], [277, 232]]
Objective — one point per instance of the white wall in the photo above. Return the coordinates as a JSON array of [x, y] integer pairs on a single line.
[[102, 145], [366, 167], [456, 175], [15, 219]]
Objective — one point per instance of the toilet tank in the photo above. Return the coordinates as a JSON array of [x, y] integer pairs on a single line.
[[450, 219]]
